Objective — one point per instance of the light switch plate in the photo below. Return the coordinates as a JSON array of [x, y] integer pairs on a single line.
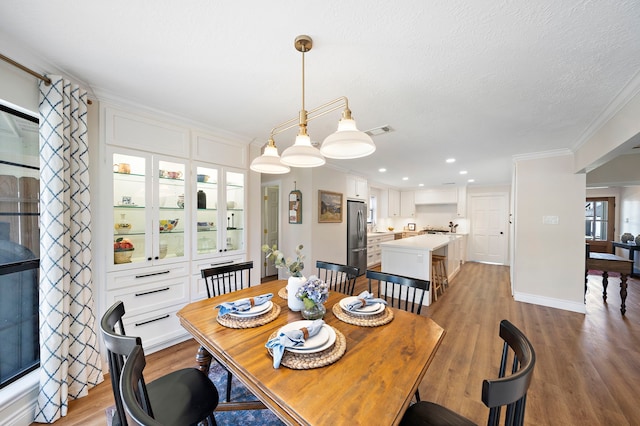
[[550, 220]]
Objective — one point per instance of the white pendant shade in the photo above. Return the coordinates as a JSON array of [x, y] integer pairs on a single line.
[[348, 142], [302, 154], [269, 162]]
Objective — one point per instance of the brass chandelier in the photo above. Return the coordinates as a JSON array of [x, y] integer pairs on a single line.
[[346, 143]]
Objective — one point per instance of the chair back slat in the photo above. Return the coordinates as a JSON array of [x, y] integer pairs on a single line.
[[227, 278], [341, 278], [400, 292]]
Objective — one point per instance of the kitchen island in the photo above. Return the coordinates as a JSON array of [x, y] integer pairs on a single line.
[[411, 257]]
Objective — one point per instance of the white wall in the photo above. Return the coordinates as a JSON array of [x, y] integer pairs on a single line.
[[18, 87], [329, 240], [549, 259], [630, 210]]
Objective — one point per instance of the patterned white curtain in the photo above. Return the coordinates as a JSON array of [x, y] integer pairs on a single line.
[[70, 362]]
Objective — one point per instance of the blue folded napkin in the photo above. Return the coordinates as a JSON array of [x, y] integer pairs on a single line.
[[291, 339], [363, 299], [243, 304]]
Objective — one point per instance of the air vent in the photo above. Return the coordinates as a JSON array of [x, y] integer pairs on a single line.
[[376, 131], [449, 183]]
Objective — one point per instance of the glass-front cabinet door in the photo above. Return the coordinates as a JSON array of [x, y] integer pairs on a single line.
[[149, 220], [220, 221], [207, 220], [234, 195]]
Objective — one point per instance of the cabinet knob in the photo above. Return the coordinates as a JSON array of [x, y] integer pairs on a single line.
[[149, 259]]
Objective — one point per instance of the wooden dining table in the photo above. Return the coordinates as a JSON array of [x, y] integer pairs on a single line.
[[372, 383]]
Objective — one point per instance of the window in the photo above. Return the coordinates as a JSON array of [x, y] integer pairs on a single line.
[[371, 217], [597, 218], [19, 244], [599, 223]]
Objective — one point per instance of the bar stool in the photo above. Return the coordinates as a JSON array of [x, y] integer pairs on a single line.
[[438, 275]]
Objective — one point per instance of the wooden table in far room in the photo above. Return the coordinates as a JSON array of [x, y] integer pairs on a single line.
[[372, 383], [610, 263]]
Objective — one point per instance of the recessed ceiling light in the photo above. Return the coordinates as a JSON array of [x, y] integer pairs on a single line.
[[471, 180], [451, 160], [405, 178], [382, 170], [463, 172], [421, 184]]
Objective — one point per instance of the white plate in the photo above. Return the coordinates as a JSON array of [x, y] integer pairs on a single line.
[[321, 341], [376, 308], [253, 312]]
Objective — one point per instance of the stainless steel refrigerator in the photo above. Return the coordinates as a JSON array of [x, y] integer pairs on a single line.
[[357, 235]]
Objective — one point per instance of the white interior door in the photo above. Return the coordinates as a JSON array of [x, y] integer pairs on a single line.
[[270, 215], [489, 228]]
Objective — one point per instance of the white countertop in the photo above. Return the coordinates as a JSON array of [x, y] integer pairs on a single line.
[[422, 242], [377, 234]]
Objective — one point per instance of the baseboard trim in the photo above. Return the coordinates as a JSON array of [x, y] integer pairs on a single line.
[[18, 401], [550, 302]]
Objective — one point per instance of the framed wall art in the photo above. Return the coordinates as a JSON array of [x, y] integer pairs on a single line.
[[295, 206], [329, 207]]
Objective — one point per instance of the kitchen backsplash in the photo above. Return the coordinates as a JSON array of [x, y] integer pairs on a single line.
[[433, 216]]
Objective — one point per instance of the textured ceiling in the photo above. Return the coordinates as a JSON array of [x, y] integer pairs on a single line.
[[478, 80]]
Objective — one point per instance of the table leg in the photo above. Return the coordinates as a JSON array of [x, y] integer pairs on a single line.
[[605, 283], [203, 359], [623, 293]]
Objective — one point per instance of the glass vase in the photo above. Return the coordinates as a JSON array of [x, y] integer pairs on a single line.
[[314, 312]]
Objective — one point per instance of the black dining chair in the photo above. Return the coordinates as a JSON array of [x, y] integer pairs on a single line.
[[142, 406], [225, 279], [181, 397], [341, 278], [400, 292], [506, 390]]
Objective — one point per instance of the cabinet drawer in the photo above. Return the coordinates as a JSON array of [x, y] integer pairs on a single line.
[[141, 276], [140, 299], [197, 267], [154, 328]]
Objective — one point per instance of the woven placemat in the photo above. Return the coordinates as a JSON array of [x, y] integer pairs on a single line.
[[283, 293], [297, 361], [376, 320], [235, 322]]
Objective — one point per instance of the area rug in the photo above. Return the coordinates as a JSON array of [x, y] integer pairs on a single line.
[[239, 392]]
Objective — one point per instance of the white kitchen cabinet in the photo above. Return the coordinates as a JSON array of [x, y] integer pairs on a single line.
[[394, 203], [456, 255], [374, 252], [407, 204], [151, 187], [218, 219], [461, 208], [147, 199], [152, 296], [436, 196], [357, 188]]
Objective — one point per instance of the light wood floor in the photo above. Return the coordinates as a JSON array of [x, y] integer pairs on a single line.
[[587, 371]]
